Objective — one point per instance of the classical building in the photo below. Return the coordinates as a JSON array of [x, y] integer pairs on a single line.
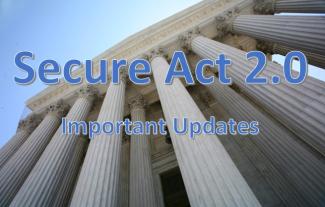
[[282, 166]]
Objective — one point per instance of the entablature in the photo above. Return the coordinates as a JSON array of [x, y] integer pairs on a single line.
[[165, 34]]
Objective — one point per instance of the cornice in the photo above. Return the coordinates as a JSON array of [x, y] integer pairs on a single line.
[[143, 42]]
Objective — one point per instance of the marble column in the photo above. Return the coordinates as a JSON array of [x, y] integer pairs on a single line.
[[25, 128], [71, 174], [303, 170], [300, 107], [210, 176], [300, 32], [256, 168], [124, 182], [293, 6], [17, 169], [42, 184], [142, 192], [99, 177], [273, 48]]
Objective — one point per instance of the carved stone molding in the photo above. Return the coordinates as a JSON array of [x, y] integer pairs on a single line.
[[158, 52], [137, 102], [88, 91], [29, 123], [124, 74], [58, 109], [142, 42], [223, 27], [265, 7], [186, 39], [22, 125], [224, 22]]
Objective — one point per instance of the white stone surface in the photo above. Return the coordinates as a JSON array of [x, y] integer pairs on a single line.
[[300, 107], [210, 176], [41, 186], [142, 192], [98, 182], [296, 164], [71, 174], [25, 128], [17, 169], [297, 6], [124, 182], [299, 32]]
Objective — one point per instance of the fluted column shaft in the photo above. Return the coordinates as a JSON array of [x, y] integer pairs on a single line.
[[71, 174], [16, 170], [242, 157], [25, 128], [210, 176], [42, 184], [142, 192], [98, 181], [257, 169], [293, 6], [299, 6], [124, 189], [300, 167], [12, 145], [273, 48], [300, 107], [299, 32], [313, 58]]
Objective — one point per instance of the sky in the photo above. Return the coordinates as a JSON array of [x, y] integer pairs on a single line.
[[64, 30]]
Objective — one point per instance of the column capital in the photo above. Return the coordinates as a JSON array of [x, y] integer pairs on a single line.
[[157, 52], [29, 123], [87, 91], [224, 22], [59, 109], [177, 102], [186, 39], [123, 74], [265, 7], [137, 102], [100, 147], [266, 47]]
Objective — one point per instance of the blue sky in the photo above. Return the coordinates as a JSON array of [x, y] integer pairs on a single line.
[[62, 30]]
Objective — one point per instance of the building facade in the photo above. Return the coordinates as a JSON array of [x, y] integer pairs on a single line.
[[282, 166]]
